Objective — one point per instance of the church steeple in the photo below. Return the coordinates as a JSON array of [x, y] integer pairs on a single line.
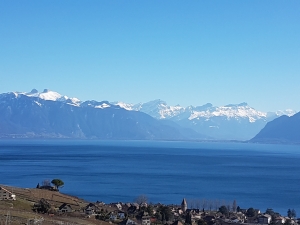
[[184, 205]]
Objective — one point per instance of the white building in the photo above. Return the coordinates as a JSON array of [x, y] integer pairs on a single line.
[[146, 220], [6, 195], [264, 219]]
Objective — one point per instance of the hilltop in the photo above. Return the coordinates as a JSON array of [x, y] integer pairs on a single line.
[[21, 210]]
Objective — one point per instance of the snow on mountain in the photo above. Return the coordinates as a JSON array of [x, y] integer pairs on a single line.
[[51, 96], [287, 112], [229, 122], [102, 106], [278, 113], [160, 110], [156, 108], [229, 111], [123, 105]]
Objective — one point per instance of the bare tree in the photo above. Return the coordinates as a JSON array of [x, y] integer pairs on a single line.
[[228, 207], [204, 203], [210, 204], [46, 183], [223, 202], [217, 204], [197, 203], [191, 203], [234, 206], [141, 199]]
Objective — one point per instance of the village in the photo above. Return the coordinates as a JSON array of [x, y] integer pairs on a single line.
[[47, 202]]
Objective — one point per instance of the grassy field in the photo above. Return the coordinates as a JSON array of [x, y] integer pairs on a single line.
[[20, 211]]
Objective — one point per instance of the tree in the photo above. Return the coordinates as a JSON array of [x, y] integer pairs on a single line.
[[288, 222], [293, 213], [188, 218], [223, 209], [57, 183], [289, 213], [46, 183], [141, 199], [158, 216], [149, 210], [210, 204], [251, 212], [166, 213], [234, 206], [216, 204], [228, 207], [42, 206], [238, 209], [201, 222], [204, 204], [270, 212]]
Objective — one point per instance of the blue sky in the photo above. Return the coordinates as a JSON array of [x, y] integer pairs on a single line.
[[183, 52]]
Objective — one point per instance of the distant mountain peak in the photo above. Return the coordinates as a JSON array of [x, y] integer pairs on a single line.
[[243, 104], [34, 91], [49, 95], [157, 101]]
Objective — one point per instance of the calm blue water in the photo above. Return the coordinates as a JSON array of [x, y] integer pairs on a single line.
[[259, 176]]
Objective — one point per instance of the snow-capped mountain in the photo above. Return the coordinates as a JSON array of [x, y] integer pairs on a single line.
[[156, 108], [229, 122], [230, 112], [51, 115], [233, 121], [50, 96], [160, 110]]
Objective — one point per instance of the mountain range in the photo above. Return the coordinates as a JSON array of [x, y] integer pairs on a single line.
[[51, 115], [281, 130], [229, 122]]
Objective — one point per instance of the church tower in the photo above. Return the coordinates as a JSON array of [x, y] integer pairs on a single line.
[[184, 205]]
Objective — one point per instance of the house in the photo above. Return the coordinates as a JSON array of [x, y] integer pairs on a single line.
[[91, 209], [121, 215], [235, 221], [280, 220], [264, 219], [119, 206], [257, 211], [251, 219], [209, 218], [113, 216], [100, 203], [177, 222], [153, 220], [146, 220], [6, 195], [128, 222], [241, 216], [132, 209], [65, 208]]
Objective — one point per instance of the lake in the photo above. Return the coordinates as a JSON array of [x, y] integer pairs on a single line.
[[255, 175]]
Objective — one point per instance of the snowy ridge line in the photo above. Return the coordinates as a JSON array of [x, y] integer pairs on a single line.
[[160, 110], [50, 96]]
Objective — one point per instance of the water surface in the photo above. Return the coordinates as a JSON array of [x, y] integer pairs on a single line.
[[255, 175]]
